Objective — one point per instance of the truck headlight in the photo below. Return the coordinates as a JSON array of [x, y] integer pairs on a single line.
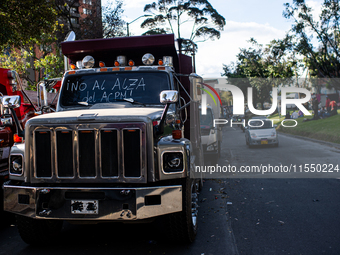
[[15, 162], [172, 162]]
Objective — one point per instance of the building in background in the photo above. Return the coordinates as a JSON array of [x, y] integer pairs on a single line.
[[84, 17]]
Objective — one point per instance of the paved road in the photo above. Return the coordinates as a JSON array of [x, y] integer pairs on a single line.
[[237, 216], [214, 234], [283, 216]]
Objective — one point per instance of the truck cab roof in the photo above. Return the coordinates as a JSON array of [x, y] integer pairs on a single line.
[[134, 48]]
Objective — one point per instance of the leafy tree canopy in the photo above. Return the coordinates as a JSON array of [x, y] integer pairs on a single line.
[[113, 25], [317, 39], [22, 22], [176, 16], [259, 67], [26, 62]]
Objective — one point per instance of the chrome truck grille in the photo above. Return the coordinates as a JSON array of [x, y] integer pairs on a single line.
[[91, 152]]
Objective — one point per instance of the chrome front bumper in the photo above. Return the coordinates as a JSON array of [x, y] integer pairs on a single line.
[[106, 203]]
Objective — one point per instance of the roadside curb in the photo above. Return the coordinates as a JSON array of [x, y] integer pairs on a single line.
[[335, 145]]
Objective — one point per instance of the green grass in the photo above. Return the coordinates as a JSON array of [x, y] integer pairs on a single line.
[[327, 129]]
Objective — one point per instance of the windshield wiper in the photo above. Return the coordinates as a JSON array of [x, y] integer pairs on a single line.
[[132, 101], [84, 103]]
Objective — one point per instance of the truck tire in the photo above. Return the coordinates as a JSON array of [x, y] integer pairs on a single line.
[[34, 231], [182, 226]]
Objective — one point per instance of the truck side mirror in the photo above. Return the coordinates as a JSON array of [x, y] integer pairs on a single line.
[[168, 96], [11, 102]]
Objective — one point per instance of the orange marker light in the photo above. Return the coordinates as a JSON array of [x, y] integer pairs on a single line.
[[177, 134], [101, 64], [116, 63], [131, 63], [17, 139], [160, 62], [73, 66]]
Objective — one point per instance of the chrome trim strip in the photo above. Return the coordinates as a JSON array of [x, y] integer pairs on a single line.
[[35, 150], [60, 129], [140, 154], [118, 152], [95, 132]]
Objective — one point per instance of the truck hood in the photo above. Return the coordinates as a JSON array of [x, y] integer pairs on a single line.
[[133, 114]]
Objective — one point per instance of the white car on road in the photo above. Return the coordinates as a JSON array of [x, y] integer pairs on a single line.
[[261, 131]]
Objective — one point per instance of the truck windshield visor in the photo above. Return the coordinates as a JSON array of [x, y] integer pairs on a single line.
[[144, 87]]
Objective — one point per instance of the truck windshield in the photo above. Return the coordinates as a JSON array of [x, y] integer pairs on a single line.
[[143, 87], [207, 120]]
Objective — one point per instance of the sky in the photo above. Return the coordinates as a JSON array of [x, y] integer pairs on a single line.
[[261, 19]]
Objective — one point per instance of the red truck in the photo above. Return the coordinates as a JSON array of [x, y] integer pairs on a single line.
[[122, 145], [10, 86], [11, 129]]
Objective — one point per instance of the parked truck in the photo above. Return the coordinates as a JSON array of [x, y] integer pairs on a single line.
[[10, 84], [121, 146], [211, 134]]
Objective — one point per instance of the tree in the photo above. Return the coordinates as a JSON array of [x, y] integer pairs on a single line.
[[24, 21], [113, 25], [26, 62], [196, 16], [322, 58], [260, 67]]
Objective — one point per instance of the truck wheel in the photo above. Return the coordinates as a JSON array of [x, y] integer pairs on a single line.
[[34, 231], [183, 225]]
